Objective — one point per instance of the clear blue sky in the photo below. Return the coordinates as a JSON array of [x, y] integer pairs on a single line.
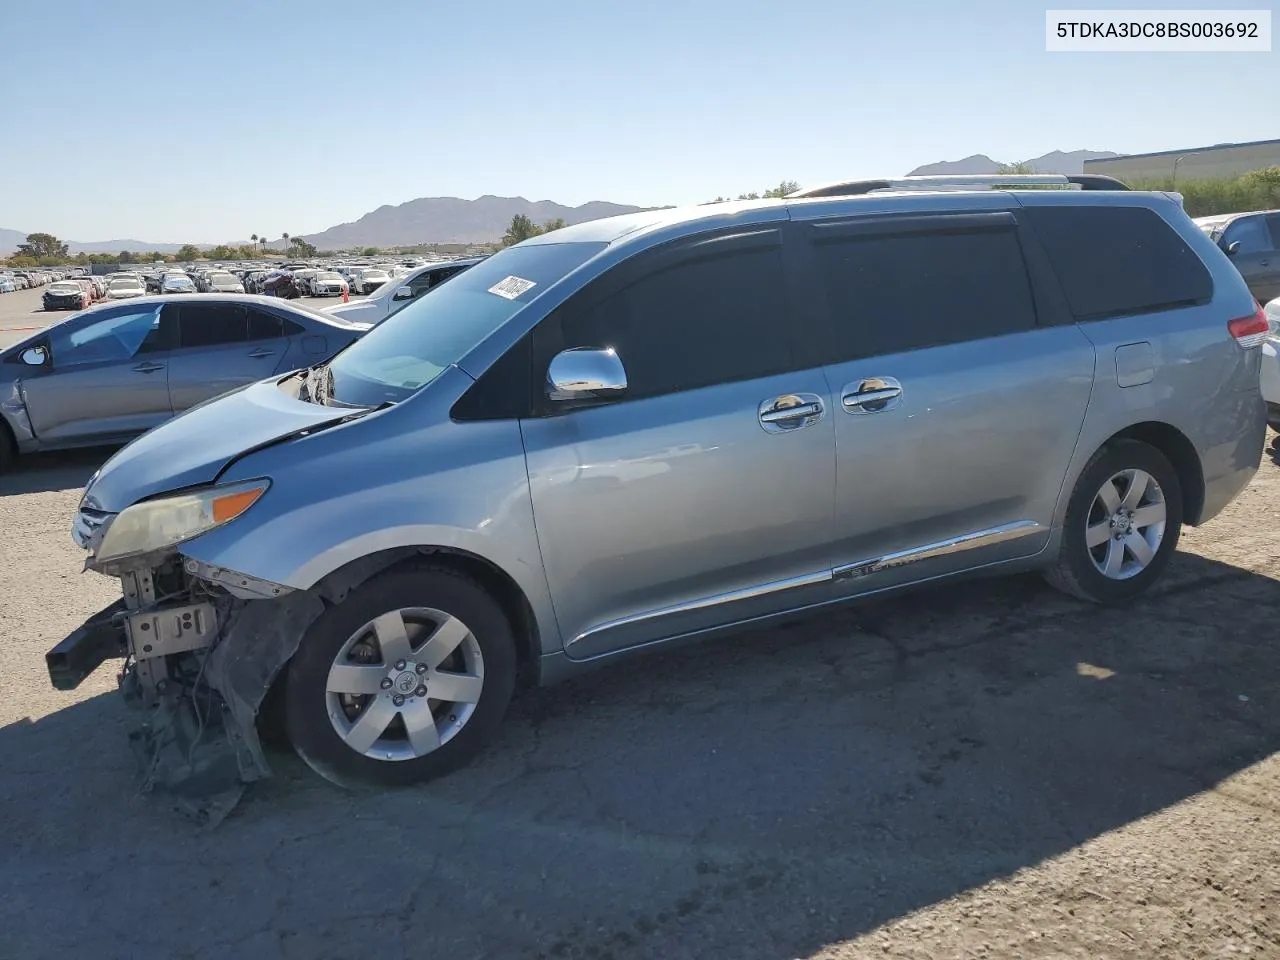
[[168, 121]]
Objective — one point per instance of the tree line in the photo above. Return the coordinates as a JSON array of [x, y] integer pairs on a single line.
[[46, 250]]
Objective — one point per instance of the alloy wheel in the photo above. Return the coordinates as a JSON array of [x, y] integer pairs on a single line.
[[404, 684], [1126, 524]]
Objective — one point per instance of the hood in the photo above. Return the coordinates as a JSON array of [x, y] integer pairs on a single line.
[[194, 447]]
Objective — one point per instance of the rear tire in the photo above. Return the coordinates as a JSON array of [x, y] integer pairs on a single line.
[[383, 644], [1111, 550]]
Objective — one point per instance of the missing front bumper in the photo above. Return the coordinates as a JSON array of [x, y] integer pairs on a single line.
[[196, 675], [99, 639]]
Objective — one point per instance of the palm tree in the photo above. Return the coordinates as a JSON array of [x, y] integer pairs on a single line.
[[254, 238], [286, 242], [262, 239]]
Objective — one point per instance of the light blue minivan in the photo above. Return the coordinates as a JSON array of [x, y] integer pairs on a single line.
[[656, 427]]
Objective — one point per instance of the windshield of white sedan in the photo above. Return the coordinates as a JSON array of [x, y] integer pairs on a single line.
[[416, 344]]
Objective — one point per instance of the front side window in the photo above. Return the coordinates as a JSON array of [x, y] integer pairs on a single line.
[[892, 293], [1251, 233], [119, 336], [416, 344], [693, 322]]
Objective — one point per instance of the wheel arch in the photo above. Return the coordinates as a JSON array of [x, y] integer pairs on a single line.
[[336, 584], [1181, 454]]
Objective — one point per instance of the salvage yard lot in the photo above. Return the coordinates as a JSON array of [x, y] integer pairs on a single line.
[[986, 768]]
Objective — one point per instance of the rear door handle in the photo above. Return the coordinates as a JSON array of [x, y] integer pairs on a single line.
[[148, 366], [871, 395], [262, 352], [791, 411]]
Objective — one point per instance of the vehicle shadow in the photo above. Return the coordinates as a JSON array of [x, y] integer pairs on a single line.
[[759, 796], [57, 470]]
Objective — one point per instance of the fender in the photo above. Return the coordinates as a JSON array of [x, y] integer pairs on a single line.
[[401, 480]]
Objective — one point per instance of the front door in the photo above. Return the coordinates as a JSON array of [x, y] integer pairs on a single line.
[[956, 415], [221, 345], [702, 496], [107, 380]]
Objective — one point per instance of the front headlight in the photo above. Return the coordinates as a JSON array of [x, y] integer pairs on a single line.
[[157, 524]]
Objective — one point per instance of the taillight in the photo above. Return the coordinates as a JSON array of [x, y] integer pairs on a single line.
[[1250, 331]]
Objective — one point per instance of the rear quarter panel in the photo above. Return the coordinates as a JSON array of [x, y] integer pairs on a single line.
[[1203, 383]]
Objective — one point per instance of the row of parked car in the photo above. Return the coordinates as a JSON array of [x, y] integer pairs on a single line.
[[14, 280]]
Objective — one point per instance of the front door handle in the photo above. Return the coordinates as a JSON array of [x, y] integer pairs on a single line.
[[871, 395], [1264, 263], [148, 366], [262, 352], [791, 411]]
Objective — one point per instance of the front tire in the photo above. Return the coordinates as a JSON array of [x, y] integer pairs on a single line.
[[405, 680], [1122, 525]]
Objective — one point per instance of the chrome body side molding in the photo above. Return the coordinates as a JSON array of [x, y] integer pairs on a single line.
[[943, 548], [862, 568]]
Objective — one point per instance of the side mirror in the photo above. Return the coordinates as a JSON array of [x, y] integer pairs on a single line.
[[35, 356], [404, 293], [1232, 248], [584, 373]]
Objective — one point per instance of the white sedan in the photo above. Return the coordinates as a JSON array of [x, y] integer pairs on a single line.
[[328, 283], [368, 279], [122, 288]]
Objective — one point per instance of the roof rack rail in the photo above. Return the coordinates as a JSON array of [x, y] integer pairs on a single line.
[[982, 181]]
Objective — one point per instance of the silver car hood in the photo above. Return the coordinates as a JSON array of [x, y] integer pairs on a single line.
[[195, 447]]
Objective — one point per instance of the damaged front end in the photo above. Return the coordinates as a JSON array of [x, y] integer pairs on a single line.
[[201, 647]]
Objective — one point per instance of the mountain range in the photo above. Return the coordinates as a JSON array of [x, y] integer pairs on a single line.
[[1053, 162], [485, 219]]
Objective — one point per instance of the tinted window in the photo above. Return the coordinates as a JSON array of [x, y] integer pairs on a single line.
[[211, 324], [117, 336], [887, 294], [714, 319], [1250, 233], [264, 326], [430, 280], [1113, 261]]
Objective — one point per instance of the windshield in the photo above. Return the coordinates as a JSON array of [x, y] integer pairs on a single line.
[[328, 276], [415, 345], [124, 282], [64, 288], [376, 275], [177, 282]]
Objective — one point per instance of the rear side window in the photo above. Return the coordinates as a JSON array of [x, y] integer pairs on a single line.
[[212, 324], [1113, 261], [268, 326], [892, 293], [693, 322]]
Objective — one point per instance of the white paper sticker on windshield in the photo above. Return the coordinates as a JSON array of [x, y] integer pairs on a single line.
[[512, 287]]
